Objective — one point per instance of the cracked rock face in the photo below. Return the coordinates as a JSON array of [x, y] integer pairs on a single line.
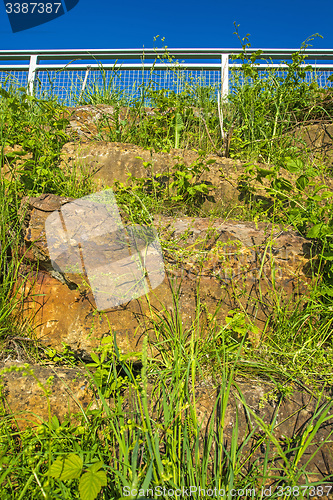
[[109, 162], [234, 266], [71, 392], [24, 397], [318, 138], [83, 120]]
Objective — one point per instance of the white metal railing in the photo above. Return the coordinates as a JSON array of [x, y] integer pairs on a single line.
[[83, 63]]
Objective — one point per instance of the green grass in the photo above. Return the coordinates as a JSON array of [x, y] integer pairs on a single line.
[[142, 448], [106, 450]]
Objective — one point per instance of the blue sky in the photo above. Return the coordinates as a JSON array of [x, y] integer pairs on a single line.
[[132, 24]]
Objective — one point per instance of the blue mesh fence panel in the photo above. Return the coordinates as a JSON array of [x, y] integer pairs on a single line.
[[322, 78], [13, 79], [132, 84], [64, 85], [236, 77]]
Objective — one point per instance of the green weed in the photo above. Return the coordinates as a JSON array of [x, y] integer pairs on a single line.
[[159, 440], [161, 443], [179, 190]]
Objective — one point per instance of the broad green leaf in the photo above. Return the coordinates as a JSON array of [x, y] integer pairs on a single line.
[[134, 354], [326, 194], [302, 182], [328, 255], [55, 423], [315, 230], [179, 124], [96, 466], [95, 358], [281, 184], [69, 467], [107, 340], [294, 165], [56, 468], [91, 483], [4, 93], [263, 172]]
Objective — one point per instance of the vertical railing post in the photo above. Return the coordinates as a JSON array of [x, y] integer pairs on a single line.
[[32, 73], [224, 75], [84, 81]]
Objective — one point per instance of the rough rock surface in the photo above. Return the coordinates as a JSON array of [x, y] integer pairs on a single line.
[[83, 120], [114, 161], [94, 121], [70, 391], [111, 161], [235, 266], [24, 395], [318, 138]]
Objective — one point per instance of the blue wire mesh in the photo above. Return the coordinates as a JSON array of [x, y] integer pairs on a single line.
[[62, 85], [13, 79], [127, 84], [237, 77], [134, 83], [66, 85]]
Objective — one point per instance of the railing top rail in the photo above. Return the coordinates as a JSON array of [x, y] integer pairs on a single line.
[[149, 66], [184, 53]]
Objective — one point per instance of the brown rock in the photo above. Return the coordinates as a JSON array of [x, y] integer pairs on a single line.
[[70, 392], [114, 161], [108, 162], [24, 396], [318, 138], [83, 120], [95, 121], [236, 266]]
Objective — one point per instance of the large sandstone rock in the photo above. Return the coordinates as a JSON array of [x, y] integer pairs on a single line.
[[24, 395], [234, 266], [318, 138], [84, 120], [108, 162], [91, 122], [95, 121], [71, 393]]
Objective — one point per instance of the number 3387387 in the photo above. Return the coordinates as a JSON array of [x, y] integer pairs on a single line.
[[32, 8]]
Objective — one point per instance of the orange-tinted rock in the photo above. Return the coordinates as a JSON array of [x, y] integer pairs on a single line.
[[235, 266], [318, 138], [115, 161], [71, 392], [84, 120], [108, 162]]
